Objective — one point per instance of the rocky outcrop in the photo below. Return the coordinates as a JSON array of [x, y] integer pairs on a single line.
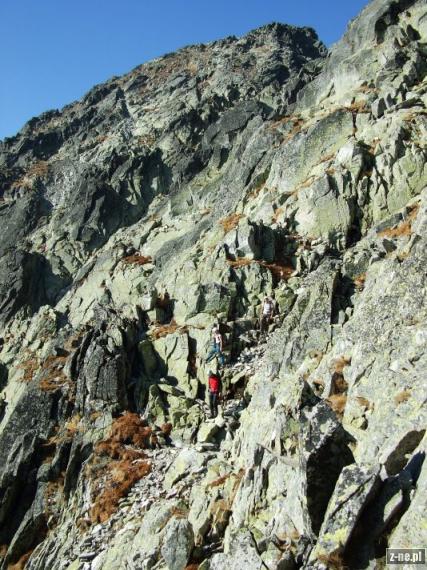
[[176, 197]]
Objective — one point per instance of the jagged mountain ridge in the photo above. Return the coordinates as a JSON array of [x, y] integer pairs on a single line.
[[220, 173]]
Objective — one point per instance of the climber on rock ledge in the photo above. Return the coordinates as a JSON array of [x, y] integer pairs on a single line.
[[214, 386], [269, 309], [217, 346]]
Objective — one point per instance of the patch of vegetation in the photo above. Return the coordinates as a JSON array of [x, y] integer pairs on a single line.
[[37, 170], [118, 463], [137, 259], [230, 222], [333, 561], [165, 330], [359, 282], [402, 397], [338, 403], [29, 366], [280, 271], [52, 374], [404, 228]]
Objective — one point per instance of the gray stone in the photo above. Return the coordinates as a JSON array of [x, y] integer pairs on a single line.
[[178, 542]]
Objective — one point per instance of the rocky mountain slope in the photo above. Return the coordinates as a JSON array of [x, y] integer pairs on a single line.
[[175, 197]]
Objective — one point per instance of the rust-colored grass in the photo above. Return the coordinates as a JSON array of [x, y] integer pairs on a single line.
[[73, 425], [319, 385], [402, 397], [256, 190], [367, 89], [325, 158], [297, 126], [192, 68], [166, 429], [131, 429], [52, 373], [337, 402], [333, 561], [164, 330], [39, 169], [137, 259], [364, 403], [359, 281], [220, 481], [122, 477], [230, 222], [283, 121], [339, 385], [277, 213], [338, 364], [280, 271], [29, 367], [305, 184], [358, 107], [239, 262], [179, 512], [74, 340], [148, 139], [404, 228], [102, 138], [22, 562], [54, 495], [118, 463], [338, 396]]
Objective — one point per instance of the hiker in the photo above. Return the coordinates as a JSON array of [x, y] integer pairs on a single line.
[[275, 305], [3, 406], [268, 308], [217, 345], [214, 385]]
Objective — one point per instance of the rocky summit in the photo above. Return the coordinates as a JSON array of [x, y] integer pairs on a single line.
[[177, 197]]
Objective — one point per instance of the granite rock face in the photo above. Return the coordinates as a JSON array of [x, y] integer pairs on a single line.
[[177, 197]]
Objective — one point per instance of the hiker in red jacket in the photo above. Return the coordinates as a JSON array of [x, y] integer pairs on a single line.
[[214, 384]]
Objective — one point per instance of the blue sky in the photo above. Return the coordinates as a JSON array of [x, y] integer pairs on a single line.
[[54, 51]]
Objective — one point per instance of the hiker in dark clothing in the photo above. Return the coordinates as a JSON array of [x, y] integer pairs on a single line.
[[3, 406], [214, 385]]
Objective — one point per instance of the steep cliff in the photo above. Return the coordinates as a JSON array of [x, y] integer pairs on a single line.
[[175, 197]]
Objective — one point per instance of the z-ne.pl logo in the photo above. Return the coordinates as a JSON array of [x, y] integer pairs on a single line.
[[406, 556]]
